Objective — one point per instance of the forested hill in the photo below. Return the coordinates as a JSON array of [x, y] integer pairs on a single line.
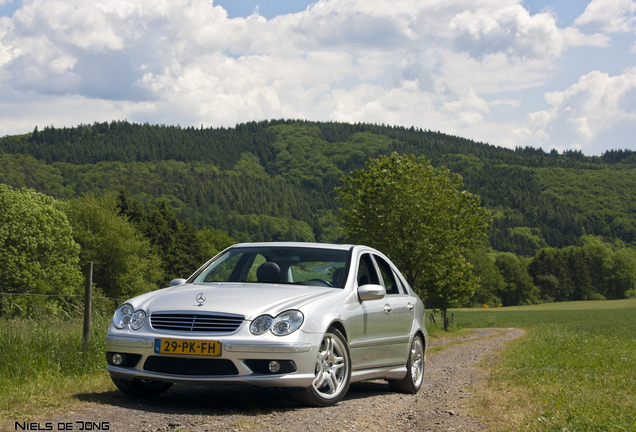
[[274, 180]]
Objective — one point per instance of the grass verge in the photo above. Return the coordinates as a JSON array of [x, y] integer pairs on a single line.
[[575, 369], [43, 367]]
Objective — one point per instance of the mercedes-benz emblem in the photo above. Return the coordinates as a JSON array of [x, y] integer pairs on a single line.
[[200, 298]]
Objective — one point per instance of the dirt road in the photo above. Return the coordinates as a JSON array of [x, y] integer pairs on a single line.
[[369, 407]]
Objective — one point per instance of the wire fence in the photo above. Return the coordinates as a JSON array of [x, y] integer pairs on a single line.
[[87, 298], [59, 295]]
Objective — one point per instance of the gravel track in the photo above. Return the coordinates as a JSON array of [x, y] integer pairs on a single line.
[[369, 406]]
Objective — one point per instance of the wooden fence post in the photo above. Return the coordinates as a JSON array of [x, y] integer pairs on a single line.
[[87, 305]]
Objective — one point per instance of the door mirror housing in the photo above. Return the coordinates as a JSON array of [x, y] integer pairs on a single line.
[[175, 282], [371, 292]]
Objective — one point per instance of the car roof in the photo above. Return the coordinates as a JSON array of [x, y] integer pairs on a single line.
[[296, 245]]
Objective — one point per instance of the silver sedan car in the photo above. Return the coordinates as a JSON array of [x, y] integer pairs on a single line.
[[310, 317]]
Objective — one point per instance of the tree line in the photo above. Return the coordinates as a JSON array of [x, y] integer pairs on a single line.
[[593, 270], [254, 179], [45, 244], [276, 180]]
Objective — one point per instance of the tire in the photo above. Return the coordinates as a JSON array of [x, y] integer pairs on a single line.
[[141, 387], [333, 372], [412, 382]]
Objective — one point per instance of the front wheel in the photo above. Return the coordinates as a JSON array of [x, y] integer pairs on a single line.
[[332, 372], [141, 387], [412, 382]]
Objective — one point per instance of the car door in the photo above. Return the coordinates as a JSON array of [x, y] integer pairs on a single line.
[[373, 344], [402, 310]]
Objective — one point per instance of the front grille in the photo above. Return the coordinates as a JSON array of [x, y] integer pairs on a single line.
[[190, 366], [199, 322]]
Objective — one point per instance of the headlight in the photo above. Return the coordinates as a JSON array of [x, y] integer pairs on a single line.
[[284, 324], [127, 316], [287, 322], [138, 319], [122, 316], [261, 324]]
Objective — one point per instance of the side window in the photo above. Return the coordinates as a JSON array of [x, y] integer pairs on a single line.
[[390, 284], [401, 287], [366, 271]]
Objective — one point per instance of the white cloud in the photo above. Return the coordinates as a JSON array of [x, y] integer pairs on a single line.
[[31, 110], [612, 16], [469, 110], [8, 53], [447, 65], [406, 105], [595, 105], [509, 30]]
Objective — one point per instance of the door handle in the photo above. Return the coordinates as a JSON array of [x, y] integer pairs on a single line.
[[409, 306], [387, 308]]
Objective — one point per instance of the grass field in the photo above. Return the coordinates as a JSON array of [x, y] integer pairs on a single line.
[[43, 368], [574, 370]]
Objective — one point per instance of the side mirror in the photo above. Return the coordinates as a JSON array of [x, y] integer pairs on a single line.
[[371, 292], [175, 282]]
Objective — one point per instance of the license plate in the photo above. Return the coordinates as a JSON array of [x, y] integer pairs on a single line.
[[187, 347]]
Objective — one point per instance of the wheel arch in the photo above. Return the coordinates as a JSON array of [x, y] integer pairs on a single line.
[[339, 325], [420, 333]]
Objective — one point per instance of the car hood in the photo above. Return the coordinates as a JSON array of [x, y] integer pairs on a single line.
[[249, 300]]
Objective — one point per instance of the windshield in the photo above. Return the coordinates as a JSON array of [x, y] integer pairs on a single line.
[[279, 265]]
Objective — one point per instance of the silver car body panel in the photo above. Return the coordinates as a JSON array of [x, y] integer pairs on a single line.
[[379, 332]]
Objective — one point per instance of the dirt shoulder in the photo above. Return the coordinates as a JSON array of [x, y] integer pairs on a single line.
[[369, 406]]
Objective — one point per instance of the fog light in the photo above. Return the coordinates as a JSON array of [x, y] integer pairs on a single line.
[[274, 366], [117, 359]]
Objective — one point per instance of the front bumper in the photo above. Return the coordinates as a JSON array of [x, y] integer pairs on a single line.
[[241, 361]]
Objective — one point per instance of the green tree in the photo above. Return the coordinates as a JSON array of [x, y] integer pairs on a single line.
[[595, 270], [623, 273], [599, 255], [124, 264], [491, 282], [519, 288], [38, 255], [214, 241], [421, 218], [177, 243], [547, 284], [551, 271]]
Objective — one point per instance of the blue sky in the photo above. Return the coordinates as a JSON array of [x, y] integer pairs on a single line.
[[550, 74], [267, 8]]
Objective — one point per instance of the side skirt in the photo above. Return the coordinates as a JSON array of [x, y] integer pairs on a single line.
[[388, 372]]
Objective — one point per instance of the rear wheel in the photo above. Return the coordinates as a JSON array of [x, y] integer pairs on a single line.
[[412, 382], [141, 387], [332, 372]]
